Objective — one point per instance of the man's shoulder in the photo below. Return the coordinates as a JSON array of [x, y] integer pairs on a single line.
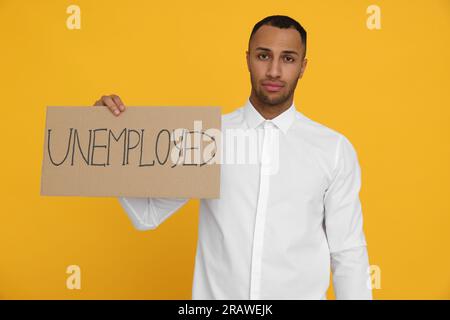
[[233, 114], [234, 117], [322, 138], [315, 129]]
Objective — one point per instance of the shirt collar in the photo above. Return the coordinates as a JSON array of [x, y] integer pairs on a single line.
[[283, 121]]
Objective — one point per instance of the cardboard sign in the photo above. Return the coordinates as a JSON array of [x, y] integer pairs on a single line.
[[144, 152]]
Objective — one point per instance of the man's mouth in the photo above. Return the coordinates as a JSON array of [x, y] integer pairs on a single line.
[[272, 87]]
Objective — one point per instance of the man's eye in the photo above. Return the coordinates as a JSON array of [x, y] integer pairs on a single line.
[[290, 59], [262, 55]]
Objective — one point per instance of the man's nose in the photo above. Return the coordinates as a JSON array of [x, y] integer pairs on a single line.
[[274, 70]]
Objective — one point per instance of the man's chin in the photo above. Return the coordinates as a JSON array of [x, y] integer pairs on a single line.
[[273, 100]]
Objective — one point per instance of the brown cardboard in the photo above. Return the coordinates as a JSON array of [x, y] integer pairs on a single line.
[[133, 172]]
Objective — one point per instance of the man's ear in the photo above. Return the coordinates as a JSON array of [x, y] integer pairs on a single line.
[[303, 67], [248, 61]]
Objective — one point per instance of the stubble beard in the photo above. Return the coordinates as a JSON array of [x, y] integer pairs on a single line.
[[276, 99]]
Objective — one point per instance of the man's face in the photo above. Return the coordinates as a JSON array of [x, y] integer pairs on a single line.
[[275, 62]]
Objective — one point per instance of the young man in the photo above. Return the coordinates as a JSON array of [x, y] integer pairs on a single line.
[[276, 235]]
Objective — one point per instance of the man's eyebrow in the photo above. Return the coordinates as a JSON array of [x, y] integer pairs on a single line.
[[284, 51]]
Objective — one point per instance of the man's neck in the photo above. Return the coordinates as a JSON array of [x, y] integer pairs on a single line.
[[269, 112]]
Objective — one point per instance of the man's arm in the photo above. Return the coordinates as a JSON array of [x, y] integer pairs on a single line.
[[350, 274], [344, 227], [145, 213]]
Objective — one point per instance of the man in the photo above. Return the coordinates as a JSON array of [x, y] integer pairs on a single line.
[[275, 234]]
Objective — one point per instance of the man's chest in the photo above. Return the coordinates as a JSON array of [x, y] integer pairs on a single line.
[[296, 170]]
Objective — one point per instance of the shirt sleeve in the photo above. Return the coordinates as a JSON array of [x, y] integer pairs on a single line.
[[344, 227], [351, 279], [149, 213]]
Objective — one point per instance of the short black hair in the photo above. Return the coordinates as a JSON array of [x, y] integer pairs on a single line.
[[281, 22]]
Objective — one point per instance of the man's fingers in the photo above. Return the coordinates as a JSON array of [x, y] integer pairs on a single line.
[[113, 102], [109, 102], [118, 102]]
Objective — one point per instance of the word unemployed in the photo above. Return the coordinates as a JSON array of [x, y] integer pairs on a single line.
[[177, 144]]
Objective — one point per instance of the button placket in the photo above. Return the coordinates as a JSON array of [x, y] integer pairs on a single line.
[[266, 163]]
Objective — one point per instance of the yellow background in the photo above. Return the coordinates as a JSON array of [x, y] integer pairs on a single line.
[[386, 90]]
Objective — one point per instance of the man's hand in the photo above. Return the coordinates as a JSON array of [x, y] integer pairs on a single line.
[[113, 102]]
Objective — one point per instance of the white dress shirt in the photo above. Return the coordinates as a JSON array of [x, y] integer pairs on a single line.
[[281, 224]]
